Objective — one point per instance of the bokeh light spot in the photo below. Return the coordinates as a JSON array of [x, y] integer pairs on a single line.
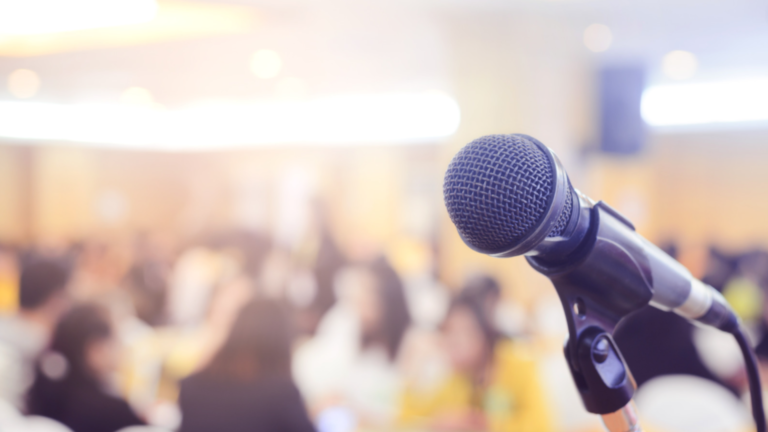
[[598, 37], [137, 96], [680, 65], [266, 64], [23, 83]]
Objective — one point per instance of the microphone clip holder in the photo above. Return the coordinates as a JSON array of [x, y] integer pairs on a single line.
[[599, 371], [594, 305]]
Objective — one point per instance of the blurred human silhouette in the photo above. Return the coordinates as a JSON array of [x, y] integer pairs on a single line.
[[359, 345], [648, 332], [644, 334], [42, 300], [248, 386], [72, 379], [147, 281], [322, 255], [251, 247], [507, 316], [485, 290], [382, 309], [100, 266], [494, 384], [720, 268]]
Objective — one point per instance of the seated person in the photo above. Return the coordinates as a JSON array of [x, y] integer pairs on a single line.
[[72, 379], [493, 386], [248, 385], [23, 336], [356, 359]]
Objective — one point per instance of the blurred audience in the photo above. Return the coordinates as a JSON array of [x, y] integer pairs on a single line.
[[359, 346], [720, 268], [248, 385], [484, 290], [494, 385], [382, 309], [649, 331], [43, 298], [508, 317], [9, 279], [416, 262], [235, 333], [100, 267], [320, 254], [147, 281], [657, 343], [74, 379]]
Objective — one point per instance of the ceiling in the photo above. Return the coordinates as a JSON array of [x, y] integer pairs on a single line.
[[200, 50]]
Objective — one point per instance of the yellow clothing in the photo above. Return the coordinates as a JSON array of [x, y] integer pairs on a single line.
[[512, 402], [9, 294]]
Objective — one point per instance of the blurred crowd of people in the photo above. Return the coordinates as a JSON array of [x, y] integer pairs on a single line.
[[235, 332], [656, 343]]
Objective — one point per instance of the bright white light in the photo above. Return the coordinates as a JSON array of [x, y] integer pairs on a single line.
[[700, 103], [26, 17], [598, 37], [266, 64], [23, 83], [680, 65], [360, 119], [291, 89], [137, 96]]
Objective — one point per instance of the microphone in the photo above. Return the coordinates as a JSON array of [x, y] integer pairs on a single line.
[[509, 195]]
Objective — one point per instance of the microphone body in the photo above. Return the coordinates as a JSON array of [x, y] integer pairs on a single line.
[[585, 246], [623, 271]]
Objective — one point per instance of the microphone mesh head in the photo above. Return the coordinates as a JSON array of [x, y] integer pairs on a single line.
[[497, 189], [565, 215]]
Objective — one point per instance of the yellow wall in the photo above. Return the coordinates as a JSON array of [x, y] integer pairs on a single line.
[[79, 192]]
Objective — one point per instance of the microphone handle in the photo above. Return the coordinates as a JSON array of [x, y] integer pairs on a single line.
[[618, 271]]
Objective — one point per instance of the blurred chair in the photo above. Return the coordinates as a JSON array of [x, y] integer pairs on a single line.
[[683, 403]]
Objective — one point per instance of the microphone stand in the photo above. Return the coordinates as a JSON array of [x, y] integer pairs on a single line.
[[623, 420], [602, 376], [594, 303]]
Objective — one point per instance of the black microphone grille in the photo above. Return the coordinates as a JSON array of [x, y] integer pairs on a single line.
[[499, 188]]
